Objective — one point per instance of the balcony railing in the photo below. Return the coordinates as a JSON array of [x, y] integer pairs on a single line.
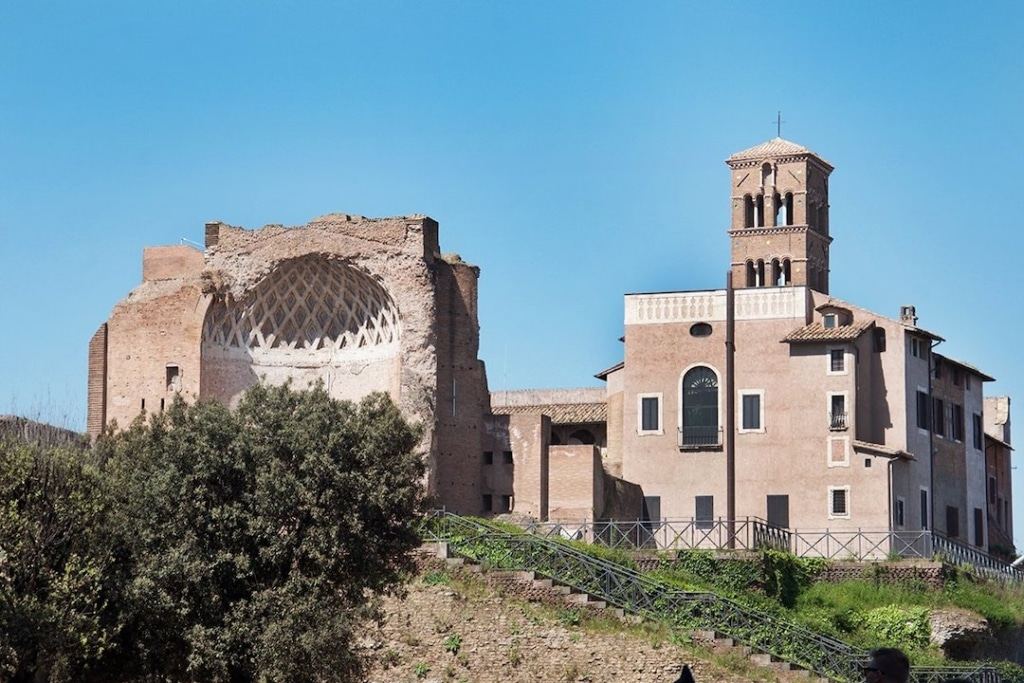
[[838, 422], [694, 438]]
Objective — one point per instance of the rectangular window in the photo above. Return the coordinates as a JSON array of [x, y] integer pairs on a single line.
[[173, 377], [488, 458], [506, 504], [992, 490], [649, 420], [956, 376], [487, 502], [830, 320], [837, 412], [938, 369], [923, 421], [508, 457], [839, 503], [778, 510], [957, 422], [978, 432], [939, 417], [913, 347], [837, 361], [900, 513], [967, 380], [979, 528], [705, 512], [751, 415], [652, 506], [924, 509], [952, 521]]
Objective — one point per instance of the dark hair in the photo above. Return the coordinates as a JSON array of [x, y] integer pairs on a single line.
[[892, 664]]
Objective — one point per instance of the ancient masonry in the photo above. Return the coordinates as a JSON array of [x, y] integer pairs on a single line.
[[360, 304]]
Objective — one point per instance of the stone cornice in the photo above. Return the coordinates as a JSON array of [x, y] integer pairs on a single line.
[[778, 230]]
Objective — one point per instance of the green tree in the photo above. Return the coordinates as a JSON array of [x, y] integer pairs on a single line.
[[260, 534], [208, 544], [63, 569]]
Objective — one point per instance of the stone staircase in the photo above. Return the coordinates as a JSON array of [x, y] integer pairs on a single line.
[[534, 587]]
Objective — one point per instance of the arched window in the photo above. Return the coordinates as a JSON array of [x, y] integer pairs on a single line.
[[779, 209], [748, 211], [776, 273], [760, 272], [759, 211], [788, 203], [751, 274], [700, 407], [766, 175], [581, 436], [787, 272]]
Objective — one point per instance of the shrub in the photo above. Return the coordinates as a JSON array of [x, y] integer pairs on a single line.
[[63, 567], [208, 544], [899, 626]]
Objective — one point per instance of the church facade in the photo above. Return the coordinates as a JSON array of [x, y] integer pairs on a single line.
[[834, 416]]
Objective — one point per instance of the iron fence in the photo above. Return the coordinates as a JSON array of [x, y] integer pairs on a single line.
[[753, 533], [700, 437], [642, 595]]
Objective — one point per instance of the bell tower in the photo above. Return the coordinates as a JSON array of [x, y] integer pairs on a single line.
[[779, 232]]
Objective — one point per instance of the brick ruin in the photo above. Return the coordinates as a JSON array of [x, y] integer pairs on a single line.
[[360, 305]]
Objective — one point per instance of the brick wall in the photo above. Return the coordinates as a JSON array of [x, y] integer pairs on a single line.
[[96, 405]]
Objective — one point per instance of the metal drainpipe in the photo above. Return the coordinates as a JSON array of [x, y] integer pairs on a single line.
[[730, 410], [931, 439]]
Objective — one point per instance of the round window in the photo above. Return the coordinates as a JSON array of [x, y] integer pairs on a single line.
[[700, 330]]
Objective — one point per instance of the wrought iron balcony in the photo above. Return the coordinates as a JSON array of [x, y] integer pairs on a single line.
[[697, 438], [838, 421]]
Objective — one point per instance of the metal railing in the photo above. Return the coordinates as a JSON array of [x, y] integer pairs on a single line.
[[700, 437], [837, 422], [640, 594], [753, 533]]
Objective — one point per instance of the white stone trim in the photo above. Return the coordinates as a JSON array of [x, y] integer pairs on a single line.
[[849, 507], [846, 359], [740, 393], [845, 462], [846, 404], [754, 303], [640, 414]]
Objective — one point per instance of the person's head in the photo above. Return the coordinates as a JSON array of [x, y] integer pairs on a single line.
[[887, 665]]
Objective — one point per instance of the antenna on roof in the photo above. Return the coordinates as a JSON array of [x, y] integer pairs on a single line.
[[185, 240], [778, 124]]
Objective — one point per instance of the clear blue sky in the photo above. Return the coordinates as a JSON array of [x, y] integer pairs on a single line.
[[573, 150]]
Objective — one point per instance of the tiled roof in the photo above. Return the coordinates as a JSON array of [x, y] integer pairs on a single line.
[[776, 147], [966, 366], [816, 332], [561, 413], [607, 371]]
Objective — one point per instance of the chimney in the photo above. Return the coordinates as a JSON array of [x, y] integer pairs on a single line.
[[908, 315]]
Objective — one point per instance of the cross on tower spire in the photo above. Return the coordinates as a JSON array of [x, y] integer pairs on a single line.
[[778, 124]]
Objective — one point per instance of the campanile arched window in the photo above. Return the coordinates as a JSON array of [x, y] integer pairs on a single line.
[[699, 400]]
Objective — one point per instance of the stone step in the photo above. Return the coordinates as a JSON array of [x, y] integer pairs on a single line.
[[542, 583], [561, 590], [455, 561], [705, 636], [527, 575]]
